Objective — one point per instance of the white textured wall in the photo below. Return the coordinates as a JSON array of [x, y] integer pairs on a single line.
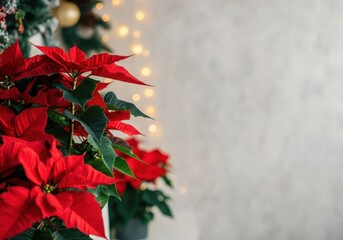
[[250, 100]]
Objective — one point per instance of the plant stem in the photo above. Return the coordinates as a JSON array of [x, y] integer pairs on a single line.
[[71, 121]]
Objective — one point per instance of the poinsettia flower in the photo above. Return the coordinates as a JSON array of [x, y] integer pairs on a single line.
[[29, 124], [52, 177], [76, 62], [13, 65], [152, 166]]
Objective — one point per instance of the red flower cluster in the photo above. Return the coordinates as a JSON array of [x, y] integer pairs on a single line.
[[53, 186], [154, 164], [47, 100]]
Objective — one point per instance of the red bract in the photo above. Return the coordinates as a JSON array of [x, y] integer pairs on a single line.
[[29, 124], [13, 65], [75, 62], [153, 167], [52, 179]]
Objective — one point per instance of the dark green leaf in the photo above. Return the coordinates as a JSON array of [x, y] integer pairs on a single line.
[[164, 208], [34, 235], [113, 103], [167, 181], [28, 234], [126, 149], [82, 94], [93, 120], [99, 165], [57, 117], [103, 192], [157, 198], [121, 165], [70, 234], [106, 150]]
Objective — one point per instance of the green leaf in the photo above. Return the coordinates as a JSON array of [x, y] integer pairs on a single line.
[[28, 234], [167, 181], [93, 120], [103, 192], [82, 94], [121, 165], [34, 235], [57, 118], [165, 209], [106, 150], [113, 103], [99, 165], [157, 198], [123, 147], [70, 234]]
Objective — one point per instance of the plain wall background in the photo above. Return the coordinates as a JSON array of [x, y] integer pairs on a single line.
[[249, 97]]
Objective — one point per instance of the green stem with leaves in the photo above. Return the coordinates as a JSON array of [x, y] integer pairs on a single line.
[[71, 121]]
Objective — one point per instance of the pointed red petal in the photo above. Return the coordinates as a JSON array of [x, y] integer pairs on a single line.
[[15, 154], [60, 165], [7, 120], [123, 127], [116, 72], [18, 212], [85, 177], [36, 66], [76, 55], [56, 54], [12, 55], [118, 115], [10, 94], [103, 58], [84, 213], [31, 119], [48, 204]]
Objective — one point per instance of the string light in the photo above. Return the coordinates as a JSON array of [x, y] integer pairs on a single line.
[[105, 38], [140, 15], [183, 190], [105, 18], [136, 34], [99, 6], [136, 97], [150, 110], [149, 92], [145, 71], [152, 128], [137, 49], [123, 31], [115, 2], [146, 53]]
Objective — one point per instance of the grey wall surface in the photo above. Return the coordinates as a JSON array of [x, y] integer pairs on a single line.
[[250, 99]]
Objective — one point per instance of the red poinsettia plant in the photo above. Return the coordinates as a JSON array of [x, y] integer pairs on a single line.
[[59, 156], [140, 195]]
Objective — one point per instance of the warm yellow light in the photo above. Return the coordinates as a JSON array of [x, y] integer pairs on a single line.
[[105, 38], [115, 2], [136, 34], [149, 92], [123, 31], [137, 49], [99, 6], [183, 190], [136, 97], [105, 18], [146, 53], [150, 110], [140, 15], [152, 128], [145, 71]]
